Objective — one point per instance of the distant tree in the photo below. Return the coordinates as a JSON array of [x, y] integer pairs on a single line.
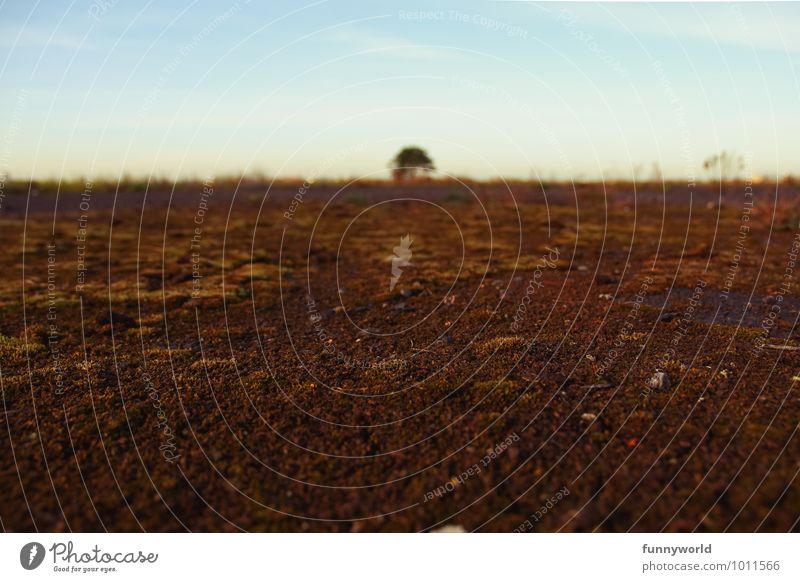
[[726, 165], [410, 161]]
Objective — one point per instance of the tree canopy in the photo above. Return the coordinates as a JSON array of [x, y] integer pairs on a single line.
[[411, 161]]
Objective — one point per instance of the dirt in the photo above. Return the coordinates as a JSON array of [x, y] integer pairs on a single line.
[[214, 359]]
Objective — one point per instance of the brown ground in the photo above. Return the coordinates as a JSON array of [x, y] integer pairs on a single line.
[[281, 415]]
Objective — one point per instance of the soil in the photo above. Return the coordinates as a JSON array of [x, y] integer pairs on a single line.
[[220, 359]]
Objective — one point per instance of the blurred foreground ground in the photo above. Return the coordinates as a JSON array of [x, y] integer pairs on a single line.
[[210, 361]]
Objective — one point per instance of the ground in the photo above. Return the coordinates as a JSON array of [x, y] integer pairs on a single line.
[[219, 358]]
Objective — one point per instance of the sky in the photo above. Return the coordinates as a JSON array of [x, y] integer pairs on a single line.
[[193, 89]]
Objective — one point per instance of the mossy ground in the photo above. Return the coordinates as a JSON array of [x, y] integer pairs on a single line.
[[343, 417]]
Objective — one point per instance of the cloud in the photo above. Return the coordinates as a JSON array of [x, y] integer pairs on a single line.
[[32, 37], [760, 26], [362, 40]]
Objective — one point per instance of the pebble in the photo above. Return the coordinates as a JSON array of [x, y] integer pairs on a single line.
[[410, 292], [445, 339], [588, 416], [116, 319], [659, 381]]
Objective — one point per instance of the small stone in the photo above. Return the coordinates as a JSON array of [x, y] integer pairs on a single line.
[[659, 381], [666, 317], [445, 339], [588, 416]]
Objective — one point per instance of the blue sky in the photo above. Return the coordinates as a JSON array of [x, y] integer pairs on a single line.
[[334, 88]]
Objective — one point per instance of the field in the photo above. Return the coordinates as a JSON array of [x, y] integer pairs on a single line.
[[534, 357]]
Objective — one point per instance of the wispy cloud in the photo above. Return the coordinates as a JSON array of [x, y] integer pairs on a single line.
[[363, 40], [759, 26], [32, 37]]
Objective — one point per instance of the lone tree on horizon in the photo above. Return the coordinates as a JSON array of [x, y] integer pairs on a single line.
[[410, 161]]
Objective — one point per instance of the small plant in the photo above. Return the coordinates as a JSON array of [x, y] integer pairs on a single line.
[[724, 165]]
